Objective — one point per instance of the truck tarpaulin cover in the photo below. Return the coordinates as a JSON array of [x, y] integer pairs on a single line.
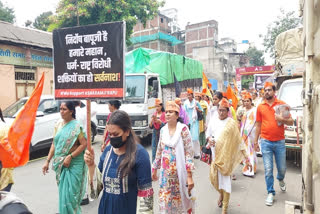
[[88, 61], [289, 52], [187, 71]]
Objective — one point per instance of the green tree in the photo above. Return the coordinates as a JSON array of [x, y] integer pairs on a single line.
[[6, 13], [42, 21], [255, 56], [100, 11], [285, 21]]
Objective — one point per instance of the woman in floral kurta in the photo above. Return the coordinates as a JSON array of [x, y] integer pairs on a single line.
[[171, 198], [248, 133]]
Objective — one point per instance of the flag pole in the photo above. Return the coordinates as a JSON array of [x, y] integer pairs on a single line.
[[88, 104]]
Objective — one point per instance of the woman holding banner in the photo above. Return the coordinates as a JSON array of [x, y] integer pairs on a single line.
[[125, 170], [67, 151]]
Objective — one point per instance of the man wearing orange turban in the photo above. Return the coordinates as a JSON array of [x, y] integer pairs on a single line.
[[225, 140]]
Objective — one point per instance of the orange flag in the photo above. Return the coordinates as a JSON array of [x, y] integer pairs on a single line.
[[14, 150], [235, 86], [232, 96], [205, 83]]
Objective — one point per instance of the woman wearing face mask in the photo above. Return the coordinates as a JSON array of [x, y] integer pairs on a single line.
[[175, 160], [158, 120], [67, 151], [125, 168], [113, 106]]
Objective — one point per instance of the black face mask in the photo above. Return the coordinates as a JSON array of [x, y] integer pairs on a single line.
[[116, 142]]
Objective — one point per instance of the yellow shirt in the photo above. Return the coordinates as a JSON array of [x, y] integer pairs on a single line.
[[6, 177]]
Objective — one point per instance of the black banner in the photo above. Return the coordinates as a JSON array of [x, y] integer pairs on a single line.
[[89, 61]]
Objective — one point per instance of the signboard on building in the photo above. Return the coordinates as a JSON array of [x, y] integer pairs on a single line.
[[252, 71], [89, 61], [15, 55]]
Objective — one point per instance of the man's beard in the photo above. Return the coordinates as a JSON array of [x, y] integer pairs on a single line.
[[268, 97]]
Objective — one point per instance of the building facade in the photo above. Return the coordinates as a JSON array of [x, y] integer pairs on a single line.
[[24, 55], [161, 33]]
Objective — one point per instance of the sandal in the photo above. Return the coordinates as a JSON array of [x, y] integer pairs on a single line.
[[233, 177], [220, 202]]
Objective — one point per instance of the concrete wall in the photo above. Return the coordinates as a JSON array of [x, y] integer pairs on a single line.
[[48, 86], [211, 65], [7, 86], [200, 35], [158, 23], [311, 117]]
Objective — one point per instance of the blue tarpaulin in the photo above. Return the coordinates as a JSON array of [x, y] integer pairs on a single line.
[[214, 84], [161, 36]]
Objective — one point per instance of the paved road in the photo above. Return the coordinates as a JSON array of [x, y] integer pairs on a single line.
[[40, 192]]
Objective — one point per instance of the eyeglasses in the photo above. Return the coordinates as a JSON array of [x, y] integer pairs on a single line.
[[222, 110]]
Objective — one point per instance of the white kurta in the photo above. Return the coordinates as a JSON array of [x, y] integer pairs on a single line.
[[216, 127]]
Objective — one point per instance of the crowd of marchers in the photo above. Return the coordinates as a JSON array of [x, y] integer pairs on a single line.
[[205, 127]]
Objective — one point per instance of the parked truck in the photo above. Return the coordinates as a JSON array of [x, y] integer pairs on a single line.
[[149, 75], [289, 70], [310, 41]]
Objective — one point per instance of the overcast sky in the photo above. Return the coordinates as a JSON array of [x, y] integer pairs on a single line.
[[238, 19]]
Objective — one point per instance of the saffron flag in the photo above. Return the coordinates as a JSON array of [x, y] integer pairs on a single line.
[[230, 95], [14, 150], [205, 83], [235, 86]]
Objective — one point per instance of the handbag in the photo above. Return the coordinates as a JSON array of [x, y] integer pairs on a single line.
[[206, 155], [200, 115]]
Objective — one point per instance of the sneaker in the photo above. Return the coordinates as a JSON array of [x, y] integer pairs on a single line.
[[84, 201], [269, 200], [282, 186]]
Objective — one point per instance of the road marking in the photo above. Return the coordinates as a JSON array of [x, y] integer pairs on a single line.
[[30, 161]]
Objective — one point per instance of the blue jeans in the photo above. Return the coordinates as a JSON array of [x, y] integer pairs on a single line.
[[154, 143], [278, 149]]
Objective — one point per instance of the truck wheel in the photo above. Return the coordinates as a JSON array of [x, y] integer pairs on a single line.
[[146, 141]]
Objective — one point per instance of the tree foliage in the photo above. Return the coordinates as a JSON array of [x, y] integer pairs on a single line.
[[6, 13], [255, 56], [284, 22], [100, 11], [42, 21]]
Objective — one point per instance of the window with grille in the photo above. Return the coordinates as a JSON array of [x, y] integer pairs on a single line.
[[24, 76]]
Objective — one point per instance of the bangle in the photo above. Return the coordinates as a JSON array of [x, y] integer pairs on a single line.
[[48, 160], [71, 155]]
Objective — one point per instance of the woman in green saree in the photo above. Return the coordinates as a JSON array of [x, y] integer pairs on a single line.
[[67, 151]]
